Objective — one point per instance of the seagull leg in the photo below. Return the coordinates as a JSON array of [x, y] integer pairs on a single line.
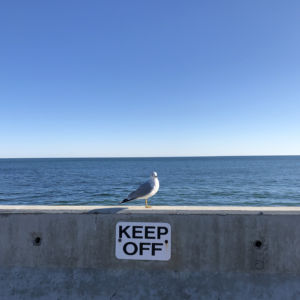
[[146, 204]]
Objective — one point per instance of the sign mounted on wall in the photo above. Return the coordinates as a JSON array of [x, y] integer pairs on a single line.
[[143, 241]]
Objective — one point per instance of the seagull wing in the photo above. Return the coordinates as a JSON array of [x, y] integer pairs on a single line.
[[142, 191]]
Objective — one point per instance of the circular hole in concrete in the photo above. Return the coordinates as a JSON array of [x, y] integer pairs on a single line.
[[258, 244], [37, 241]]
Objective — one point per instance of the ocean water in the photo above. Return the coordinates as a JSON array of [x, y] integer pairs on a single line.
[[255, 181]]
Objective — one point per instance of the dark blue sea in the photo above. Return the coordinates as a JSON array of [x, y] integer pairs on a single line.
[[257, 181]]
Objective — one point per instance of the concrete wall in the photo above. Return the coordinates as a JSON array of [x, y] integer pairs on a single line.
[[217, 253]]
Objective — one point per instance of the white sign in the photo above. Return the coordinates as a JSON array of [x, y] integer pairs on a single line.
[[143, 241]]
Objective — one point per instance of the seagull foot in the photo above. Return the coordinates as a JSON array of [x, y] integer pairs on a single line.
[[148, 206]]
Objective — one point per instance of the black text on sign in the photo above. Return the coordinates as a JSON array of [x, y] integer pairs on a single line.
[[143, 241]]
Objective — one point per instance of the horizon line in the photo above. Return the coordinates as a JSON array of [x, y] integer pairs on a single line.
[[175, 156]]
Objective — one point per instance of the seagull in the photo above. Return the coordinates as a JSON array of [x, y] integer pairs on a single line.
[[145, 191]]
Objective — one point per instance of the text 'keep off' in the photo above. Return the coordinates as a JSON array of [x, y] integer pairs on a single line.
[[143, 241]]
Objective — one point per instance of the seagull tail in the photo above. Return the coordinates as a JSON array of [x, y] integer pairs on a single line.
[[125, 200]]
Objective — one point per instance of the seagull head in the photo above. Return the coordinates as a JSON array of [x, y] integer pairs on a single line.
[[154, 174]]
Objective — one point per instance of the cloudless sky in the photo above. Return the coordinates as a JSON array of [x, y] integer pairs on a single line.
[[149, 78]]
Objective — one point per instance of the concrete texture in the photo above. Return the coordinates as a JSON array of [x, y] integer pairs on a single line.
[[68, 252]]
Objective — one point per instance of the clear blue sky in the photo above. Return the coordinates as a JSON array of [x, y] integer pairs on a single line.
[[149, 78]]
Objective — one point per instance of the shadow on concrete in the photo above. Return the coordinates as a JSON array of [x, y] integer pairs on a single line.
[[107, 210]]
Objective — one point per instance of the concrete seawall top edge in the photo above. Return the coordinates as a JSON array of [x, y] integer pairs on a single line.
[[168, 210]]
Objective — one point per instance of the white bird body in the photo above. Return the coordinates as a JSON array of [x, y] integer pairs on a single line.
[[153, 181], [145, 191]]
